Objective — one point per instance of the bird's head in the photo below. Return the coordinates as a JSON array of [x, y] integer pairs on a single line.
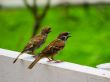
[[64, 36], [46, 30]]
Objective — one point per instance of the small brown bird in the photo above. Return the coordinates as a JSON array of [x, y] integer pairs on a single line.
[[52, 49], [35, 42]]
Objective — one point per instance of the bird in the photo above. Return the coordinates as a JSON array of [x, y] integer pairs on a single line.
[[52, 49], [35, 42]]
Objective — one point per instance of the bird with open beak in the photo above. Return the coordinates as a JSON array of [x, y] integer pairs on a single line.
[[52, 49], [35, 42]]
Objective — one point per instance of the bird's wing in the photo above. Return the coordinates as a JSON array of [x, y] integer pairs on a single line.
[[54, 46], [35, 41], [38, 39], [59, 44]]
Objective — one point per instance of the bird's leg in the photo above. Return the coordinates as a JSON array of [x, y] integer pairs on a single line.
[[52, 57], [33, 55], [56, 61], [49, 59]]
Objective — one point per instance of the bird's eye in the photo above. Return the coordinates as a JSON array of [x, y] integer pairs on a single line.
[[63, 37]]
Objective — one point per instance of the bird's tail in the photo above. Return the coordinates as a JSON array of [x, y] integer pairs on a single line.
[[34, 62], [17, 57]]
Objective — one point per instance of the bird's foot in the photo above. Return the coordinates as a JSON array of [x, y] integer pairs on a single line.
[[58, 61], [49, 60], [34, 56]]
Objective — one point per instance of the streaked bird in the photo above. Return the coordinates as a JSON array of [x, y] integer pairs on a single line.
[[35, 42], [52, 49]]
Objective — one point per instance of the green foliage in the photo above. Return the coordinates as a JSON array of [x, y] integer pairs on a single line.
[[90, 41]]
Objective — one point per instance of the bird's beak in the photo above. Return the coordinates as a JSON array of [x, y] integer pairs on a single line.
[[69, 34], [50, 30]]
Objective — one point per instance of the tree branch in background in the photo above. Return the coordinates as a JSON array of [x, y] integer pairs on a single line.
[[86, 7], [27, 5], [67, 11], [34, 9], [45, 9], [38, 17]]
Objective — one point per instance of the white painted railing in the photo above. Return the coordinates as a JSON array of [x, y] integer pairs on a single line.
[[105, 66], [45, 71]]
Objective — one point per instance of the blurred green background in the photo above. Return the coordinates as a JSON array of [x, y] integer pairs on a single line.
[[89, 27]]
